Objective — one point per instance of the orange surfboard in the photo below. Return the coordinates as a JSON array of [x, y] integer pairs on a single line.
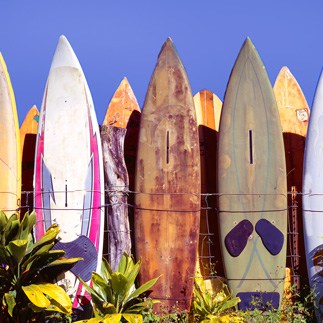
[[210, 265], [28, 134], [122, 106], [124, 112], [10, 160], [294, 115]]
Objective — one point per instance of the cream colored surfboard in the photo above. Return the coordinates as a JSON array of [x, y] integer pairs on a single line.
[[294, 116], [10, 160]]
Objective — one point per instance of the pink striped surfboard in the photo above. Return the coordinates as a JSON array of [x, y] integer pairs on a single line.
[[68, 175]]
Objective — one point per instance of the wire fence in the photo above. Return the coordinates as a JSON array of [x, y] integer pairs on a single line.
[[209, 211]]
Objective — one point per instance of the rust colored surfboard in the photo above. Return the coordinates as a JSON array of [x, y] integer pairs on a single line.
[[28, 134], [252, 185], [122, 117], [167, 200], [210, 265], [294, 115]]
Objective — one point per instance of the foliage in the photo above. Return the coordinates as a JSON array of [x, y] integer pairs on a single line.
[[213, 308], [114, 294], [294, 309], [165, 315], [27, 270]]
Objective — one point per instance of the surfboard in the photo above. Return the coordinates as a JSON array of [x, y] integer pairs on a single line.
[[167, 184], [252, 185], [210, 265], [119, 119], [124, 112], [28, 134], [294, 115], [10, 160], [122, 106], [312, 198], [69, 182]]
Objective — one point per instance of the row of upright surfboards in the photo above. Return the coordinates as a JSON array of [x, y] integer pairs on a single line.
[[184, 149]]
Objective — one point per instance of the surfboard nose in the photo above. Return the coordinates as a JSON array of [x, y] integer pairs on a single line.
[[65, 55]]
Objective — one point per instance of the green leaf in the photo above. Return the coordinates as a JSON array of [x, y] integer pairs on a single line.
[[119, 286], [27, 225], [27, 262], [56, 293], [133, 318], [123, 263], [139, 307], [41, 262], [12, 229], [143, 288], [111, 318], [17, 249], [106, 270], [102, 287], [35, 295], [10, 302], [3, 222], [49, 237]]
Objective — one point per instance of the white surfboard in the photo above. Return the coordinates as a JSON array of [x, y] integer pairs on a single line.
[[313, 198], [68, 176]]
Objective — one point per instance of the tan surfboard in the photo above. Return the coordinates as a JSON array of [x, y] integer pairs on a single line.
[[28, 134], [10, 160], [294, 116], [210, 265], [167, 200]]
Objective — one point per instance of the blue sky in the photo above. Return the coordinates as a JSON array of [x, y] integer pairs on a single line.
[[113, 39]]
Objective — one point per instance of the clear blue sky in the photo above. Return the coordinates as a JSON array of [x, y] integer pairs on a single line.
[[113, 39]]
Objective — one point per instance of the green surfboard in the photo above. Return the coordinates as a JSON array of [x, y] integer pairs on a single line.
[[252, 185]]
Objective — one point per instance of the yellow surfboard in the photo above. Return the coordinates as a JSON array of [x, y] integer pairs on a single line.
[[28, 134], [294, 116], [10, 160], [210, 265]]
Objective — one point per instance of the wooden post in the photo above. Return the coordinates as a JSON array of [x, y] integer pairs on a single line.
[[116, 184], [295, 239]]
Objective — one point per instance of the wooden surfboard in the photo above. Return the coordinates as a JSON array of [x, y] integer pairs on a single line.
[[252, 185], [120, 118], [294, 115], [69, 179], [210, 265], [10, 160], [28, 134], [312, 198], [167, 200]]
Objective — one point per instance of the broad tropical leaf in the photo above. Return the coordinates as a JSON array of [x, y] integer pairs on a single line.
[[18, 248], [133, 318], [10, 301], [35, 295], [56, 293]]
